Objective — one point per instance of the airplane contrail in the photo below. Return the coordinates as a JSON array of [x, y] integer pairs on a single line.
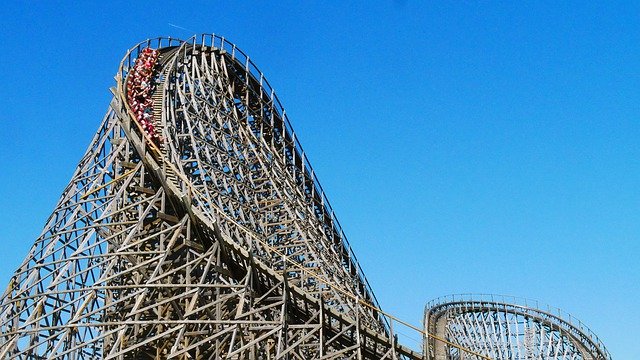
[[180, 27]]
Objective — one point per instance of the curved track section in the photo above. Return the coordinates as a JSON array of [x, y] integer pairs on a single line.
[[238, 156], [206, 238], [502, 327]]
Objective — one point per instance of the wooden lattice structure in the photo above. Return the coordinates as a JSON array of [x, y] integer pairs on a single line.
[[194, 227], [200, 233], [506, 328]]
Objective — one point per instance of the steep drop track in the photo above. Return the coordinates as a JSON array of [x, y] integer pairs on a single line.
[[214, 240]]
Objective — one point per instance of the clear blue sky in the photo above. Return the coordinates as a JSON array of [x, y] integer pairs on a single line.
[[466, 147]]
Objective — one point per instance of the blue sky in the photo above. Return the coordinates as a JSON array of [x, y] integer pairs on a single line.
[[465, 146]]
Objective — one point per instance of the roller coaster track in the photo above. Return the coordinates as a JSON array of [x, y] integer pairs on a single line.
[[214, 242], [507, 327], [194, 227]]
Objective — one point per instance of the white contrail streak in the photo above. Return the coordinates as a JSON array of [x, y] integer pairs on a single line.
[[181, 28]]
